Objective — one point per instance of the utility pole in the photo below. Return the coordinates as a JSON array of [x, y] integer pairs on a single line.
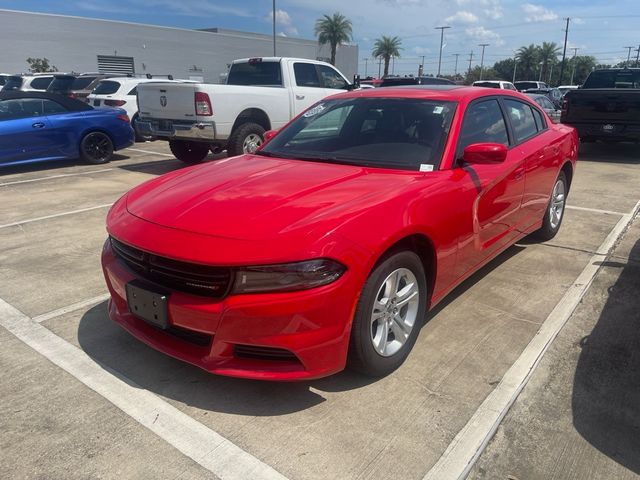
[[515, 65], [564, 51], [573, 71], [393, 64], [628, 55], [442, 29], [470, 60], [379, 66], [366, 64], [274, 28], [638, 57], [421, 69], [483, 45], [456, 69]]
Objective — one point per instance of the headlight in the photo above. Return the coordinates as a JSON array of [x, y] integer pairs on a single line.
[[287, 277]]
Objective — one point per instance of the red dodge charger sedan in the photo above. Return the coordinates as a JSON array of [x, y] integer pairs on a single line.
[[327, 247]]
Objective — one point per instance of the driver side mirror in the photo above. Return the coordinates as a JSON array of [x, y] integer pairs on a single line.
[[484, 153], [356, 83]]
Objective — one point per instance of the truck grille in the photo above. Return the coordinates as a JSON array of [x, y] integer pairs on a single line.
[[186, 277]]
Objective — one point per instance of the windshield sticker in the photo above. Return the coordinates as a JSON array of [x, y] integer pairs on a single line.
[[438, 110], [314, 111], [424, 167]]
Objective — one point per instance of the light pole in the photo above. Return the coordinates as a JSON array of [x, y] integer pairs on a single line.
[[515, 65], [366, 64], [628, 55], [573, 70], [540, 76], [442, 29], [483, 45], [456, 69], [274, 28]]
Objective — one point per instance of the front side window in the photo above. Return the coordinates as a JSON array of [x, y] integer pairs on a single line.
[[522, 121], [331, 78], [399, 133], [483, 123], [306, 75], [20, 108]]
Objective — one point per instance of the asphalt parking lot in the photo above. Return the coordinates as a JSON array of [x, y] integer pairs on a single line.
[[82, 399]]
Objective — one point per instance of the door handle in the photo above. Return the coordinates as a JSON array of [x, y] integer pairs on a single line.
[[38, 125], [299, 97]]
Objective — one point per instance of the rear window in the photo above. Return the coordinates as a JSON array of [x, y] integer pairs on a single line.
[[486, 84], [266, 74], [81, 83], [613, 79], [526, 85], [106, 87]]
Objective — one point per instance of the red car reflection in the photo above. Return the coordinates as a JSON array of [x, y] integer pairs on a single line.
[[327, 247]]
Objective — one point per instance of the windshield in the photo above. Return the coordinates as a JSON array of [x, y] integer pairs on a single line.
[[613, 79], [400, 133], [81, 83]]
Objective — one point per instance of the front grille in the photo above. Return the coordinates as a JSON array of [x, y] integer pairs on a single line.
[[196, 338], [263, 353], [173, 274]]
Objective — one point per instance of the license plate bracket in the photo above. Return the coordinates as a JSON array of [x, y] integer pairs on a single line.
[[165, 125], [147, 304]]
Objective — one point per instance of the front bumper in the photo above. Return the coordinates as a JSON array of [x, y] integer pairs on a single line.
[[313, 325], [178, 129]]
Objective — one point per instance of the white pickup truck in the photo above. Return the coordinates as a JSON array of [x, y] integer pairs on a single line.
[[261, 94]]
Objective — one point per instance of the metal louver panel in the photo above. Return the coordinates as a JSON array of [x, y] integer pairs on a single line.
[[116, 65]]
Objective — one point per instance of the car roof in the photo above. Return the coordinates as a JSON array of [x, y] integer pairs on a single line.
[[69, 103], [439, 92]]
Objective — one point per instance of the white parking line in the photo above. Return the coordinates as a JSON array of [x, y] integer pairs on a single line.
[[55, 215], [149, 151], [595, 210], [205, 446], [70, 308], [40, 179], [461, 454]]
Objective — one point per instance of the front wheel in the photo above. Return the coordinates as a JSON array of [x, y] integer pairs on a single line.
[[245, 139], [189, 152], [555, 210], [388, 315], [96, 148]]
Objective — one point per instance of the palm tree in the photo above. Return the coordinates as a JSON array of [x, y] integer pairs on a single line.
[[548, 54], [527, 61], [385, 48], [333, 30]]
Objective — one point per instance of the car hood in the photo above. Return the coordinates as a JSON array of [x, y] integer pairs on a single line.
[[252, 197]]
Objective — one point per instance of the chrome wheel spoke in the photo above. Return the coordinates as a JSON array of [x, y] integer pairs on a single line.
[[407, 294]]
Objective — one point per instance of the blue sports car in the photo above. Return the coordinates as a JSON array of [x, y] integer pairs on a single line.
[[42, 126]]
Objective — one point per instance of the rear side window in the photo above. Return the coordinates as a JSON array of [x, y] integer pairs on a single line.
[[483, 123], [540, 122], [306, 75], [41, 83], [51, 108], [266, 74], [106, 87], [522, 120], [134, 91]]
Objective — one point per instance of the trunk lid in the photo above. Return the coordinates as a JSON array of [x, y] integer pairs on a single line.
[[170, 101]]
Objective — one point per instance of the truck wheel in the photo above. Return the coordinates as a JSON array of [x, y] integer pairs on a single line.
[[245, 139], [189, 152]]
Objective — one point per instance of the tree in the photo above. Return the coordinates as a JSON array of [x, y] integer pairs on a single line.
[[548, 55], [385, 48], [488, 73], [527, 62], [333, 30], [504, 69], [583, 65], [39, 65]]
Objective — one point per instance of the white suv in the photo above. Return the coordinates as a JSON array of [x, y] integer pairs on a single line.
[[120, 92], [38, 82], [501, 84]]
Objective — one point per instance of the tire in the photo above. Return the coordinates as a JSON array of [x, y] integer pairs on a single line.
[[96, 148], [554, 212], [189, 152], [382, 335], [245, 139], [139, 136]]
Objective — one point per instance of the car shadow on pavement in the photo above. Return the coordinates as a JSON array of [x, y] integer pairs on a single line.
[[114, 348], [606, 388], [53, 165], [154, 167], [622, 153]]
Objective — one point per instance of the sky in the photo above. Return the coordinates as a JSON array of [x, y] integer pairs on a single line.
[[597, 27]]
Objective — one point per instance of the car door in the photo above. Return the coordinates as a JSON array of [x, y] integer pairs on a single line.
[[493, 192], [534, 141], [308, 88], [23, 130]]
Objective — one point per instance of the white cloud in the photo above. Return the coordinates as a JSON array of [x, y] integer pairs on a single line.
[[421, 50], [482, 34], [462, 17], [538, 13], [283, 19], [489, 8]]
